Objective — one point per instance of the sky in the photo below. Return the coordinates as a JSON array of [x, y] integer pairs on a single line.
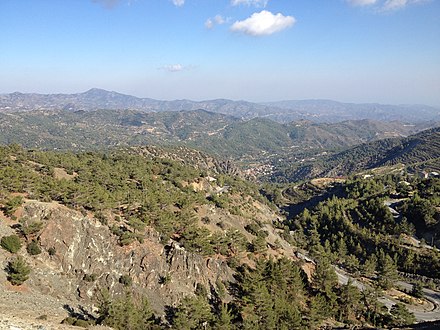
[[384, 51]]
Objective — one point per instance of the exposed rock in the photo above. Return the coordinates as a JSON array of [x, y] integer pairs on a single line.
[[83, 246]]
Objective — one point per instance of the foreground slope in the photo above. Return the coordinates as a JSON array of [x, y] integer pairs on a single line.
[[151, 238]]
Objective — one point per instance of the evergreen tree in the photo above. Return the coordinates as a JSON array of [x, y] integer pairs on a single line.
[[417, 290], [11, 243], [401, 316], [325, 278], [318, 311], [224, 320], [193, 313], [18, 271], [387, 271], [349, 302]]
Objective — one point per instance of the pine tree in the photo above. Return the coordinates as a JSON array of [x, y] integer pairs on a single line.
[[318, 311], [324, 278], [193, 313], [370, 265], [349, 302], [18, 271], [387, 271], [224, 319], [401, 315], [417, 290]]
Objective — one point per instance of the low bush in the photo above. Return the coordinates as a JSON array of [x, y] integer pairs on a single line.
[[11, 243], [33, 248]]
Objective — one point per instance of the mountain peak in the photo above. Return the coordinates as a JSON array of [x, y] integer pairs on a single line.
[[97, 91]]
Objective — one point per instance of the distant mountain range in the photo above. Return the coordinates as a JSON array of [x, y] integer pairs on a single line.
[[284, 111]]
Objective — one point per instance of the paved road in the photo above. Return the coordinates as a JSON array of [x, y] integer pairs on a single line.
[[432, 296], [421, 315]]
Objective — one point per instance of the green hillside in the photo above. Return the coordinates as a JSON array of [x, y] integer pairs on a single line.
[[420, 151], [218, 134]]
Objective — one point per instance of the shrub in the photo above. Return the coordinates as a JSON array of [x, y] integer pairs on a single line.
[[127, 238], [90, 277], [12, 204], [252, 228], [18, 271], [32, 228], [77, 322], [126, 280], [52, 251], [165, 279], [11, 243], [68, 320], [33, 248]]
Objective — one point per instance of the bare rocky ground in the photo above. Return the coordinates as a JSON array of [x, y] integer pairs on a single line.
[[23, 309]]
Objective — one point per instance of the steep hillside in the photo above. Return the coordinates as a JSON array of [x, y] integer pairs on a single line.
[[152, 238], [420, 151], [166, 222]]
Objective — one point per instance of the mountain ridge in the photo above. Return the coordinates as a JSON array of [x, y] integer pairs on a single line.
[[281, 111]]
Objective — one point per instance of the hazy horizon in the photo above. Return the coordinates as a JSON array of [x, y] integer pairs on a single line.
[[351, 51], [234, 100]]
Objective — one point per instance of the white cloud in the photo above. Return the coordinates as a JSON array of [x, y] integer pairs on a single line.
[[390, 5], [395, 4], [263, 23], [173, 67], [256, 3], [362, 2], [178, 3], [209, 23], [385, 5], [217, 20]]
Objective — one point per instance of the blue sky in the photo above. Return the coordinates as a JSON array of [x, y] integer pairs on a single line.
[[385, 51]]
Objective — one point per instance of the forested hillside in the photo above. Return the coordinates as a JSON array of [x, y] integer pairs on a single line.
[[221, 135], [417, 153], [157, 240]]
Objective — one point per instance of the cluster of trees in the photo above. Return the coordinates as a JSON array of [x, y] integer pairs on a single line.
[[358, 228], [416, 151], [274, 294], [126, 187], [128, 192]]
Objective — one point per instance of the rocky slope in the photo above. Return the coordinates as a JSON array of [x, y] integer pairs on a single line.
[[88, 258]]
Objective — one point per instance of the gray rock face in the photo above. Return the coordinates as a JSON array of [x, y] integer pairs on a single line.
[[86, 248]]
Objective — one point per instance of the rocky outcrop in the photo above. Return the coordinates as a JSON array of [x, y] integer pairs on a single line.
[[85, 256]]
